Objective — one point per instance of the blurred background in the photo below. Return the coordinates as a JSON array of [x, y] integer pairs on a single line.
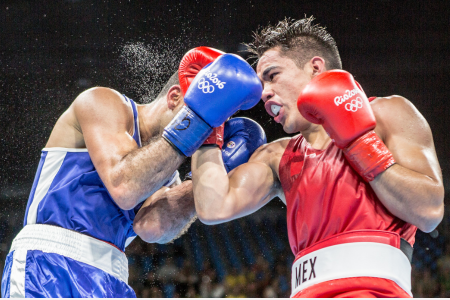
[[50, 51]]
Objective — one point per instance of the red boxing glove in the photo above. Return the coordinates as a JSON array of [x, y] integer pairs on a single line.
[[191, 63], [336, 101], [216, 137]]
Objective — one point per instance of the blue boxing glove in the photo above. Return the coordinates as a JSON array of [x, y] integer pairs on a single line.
[[217, 92], [242, 137]]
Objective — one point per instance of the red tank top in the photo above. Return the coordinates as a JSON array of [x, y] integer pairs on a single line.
[[325, 196]]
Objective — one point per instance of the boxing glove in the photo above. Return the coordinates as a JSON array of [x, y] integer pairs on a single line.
[[336, 101], [216, 93], [192, 62], [242, 136]]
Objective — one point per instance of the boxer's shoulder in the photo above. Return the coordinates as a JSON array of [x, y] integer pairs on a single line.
[[389, 102], [100, 105], [97, 98], [91, 107], [395, 113], [271, 153], [392, 105]]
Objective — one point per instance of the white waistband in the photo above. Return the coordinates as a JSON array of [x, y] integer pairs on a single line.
[[364, 259], [77, 246]]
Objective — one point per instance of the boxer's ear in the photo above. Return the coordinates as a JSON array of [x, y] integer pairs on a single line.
[[174, 97], [317, 65]]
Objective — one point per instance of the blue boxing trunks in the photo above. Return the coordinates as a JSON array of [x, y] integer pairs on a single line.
[[49, 261]]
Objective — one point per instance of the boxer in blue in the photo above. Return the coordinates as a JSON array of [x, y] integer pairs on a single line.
[[109, 172]]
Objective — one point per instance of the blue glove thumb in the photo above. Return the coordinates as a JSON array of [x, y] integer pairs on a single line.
[[242, 136]]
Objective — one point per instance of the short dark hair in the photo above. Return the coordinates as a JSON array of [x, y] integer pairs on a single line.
[[299, 40], [173, 80]]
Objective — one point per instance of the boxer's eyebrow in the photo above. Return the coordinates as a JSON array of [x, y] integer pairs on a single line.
[[267, 70]]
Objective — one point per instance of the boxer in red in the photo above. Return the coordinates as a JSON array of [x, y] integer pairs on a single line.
[[358, 180]]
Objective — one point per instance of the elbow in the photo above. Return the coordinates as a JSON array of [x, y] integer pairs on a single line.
[[208, 219], [431, 215], [123, 197], [432, 219], [217, 210], [212, 217], [126, 195], [148, 231]]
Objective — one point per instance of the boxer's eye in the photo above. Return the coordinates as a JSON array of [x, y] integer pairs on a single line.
[[271, 76], [275, 109]]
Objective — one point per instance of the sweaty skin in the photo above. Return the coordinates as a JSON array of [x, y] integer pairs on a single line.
[[101, 120], [412, 189]]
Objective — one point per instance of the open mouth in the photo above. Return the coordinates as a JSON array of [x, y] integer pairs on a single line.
[[275, 109]]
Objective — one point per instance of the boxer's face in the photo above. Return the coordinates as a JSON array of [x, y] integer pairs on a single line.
[[283, 81]]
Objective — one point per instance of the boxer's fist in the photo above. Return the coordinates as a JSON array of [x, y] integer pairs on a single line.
[[336, 101], [192, 62], [242, 137], [217, 92]]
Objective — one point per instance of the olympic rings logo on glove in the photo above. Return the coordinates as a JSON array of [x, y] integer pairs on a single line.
[[338, 100], [354, 105], [204, 85], [215, 80]]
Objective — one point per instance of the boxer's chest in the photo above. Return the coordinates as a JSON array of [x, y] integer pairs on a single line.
[[321, 189], [309, 171]]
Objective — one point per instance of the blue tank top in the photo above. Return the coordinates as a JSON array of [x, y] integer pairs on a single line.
[[68, 192]]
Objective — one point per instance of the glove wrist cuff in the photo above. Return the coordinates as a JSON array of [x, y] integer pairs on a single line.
[[369, 156], [187, 131], [216, 137]]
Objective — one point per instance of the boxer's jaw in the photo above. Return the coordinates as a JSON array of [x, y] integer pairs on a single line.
[[149, 120], [158, 114], [168, 113]]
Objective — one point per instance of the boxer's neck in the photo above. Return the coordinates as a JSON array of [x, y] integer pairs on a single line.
[[150, 120], [317, 137]]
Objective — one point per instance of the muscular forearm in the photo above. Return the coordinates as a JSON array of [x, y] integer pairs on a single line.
[[211, 185], [220, 197], [142, 172], [411, 196], [166, 215]]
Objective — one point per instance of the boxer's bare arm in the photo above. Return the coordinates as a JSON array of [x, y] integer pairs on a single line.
[[105, 120], [166, 214], [411, 189], [220, 197]]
